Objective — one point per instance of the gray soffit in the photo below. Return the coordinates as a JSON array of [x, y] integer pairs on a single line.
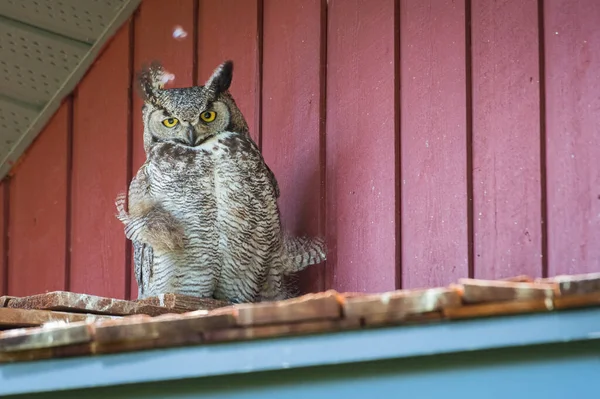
[[46, 47]]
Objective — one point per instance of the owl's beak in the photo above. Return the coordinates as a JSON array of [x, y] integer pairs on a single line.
[[192, 137]]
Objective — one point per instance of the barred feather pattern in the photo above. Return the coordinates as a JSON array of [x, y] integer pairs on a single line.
[[302, 252], [232, 244], [202, 211]]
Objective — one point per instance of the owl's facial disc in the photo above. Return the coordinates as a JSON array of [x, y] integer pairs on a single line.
[[191, 115], [215, 118], [164, 126]]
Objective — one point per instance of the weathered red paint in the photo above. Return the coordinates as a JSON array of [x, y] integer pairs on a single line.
[[291, 111], [506, 139], [38, 212], [229, 29], [154, 26], [100, 173], [433, 143], [377, 137], [3, 237], [572, 37], [361, 160]]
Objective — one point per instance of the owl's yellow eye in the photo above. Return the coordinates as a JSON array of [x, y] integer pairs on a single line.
[[208, 116], [170, 122]]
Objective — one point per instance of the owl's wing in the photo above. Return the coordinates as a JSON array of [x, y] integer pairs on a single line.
[[143, 257], [138, 258], [273, 180], [143, 254], [270, 173], [138, 191]]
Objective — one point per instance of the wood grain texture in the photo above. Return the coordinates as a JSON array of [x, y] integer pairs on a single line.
[[46, 353], [154, 25], [506, 139], [145, 328], [474, 291], [280, 330], [17, 318], [361, 160], [291, 110], [498, 309], [434, 143], [3, 237], [46, 336], [323, 305], [577, 301], [229, 29], [382, 319], [403, 303], [100, 172], [572, 65], [575, 284], [84, 303], [38, 212]]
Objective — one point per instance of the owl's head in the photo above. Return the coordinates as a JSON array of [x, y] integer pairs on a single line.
[[191, 115]]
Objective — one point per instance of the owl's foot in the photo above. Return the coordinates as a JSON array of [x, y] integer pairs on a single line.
[[163, 231], [157, 226], [148, 222]]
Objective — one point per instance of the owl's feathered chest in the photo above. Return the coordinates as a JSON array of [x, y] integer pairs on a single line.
[[175, 170], [211, 217], [225, 172]]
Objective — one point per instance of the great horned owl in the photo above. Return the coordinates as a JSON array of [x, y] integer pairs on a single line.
[[203, 214]]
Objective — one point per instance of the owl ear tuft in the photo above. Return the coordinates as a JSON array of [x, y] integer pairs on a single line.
[[151, 80], [220, 80]]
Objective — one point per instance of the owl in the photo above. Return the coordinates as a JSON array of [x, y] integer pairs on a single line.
[[202, 210]]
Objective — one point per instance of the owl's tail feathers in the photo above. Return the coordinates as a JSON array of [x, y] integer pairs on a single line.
[[302, 252]]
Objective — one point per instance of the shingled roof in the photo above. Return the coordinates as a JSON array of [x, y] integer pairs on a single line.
[[64, 324]]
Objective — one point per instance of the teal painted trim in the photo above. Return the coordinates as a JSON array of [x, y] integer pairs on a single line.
[[301, 351], [554, 371]]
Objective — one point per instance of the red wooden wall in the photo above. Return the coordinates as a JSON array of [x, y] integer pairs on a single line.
[[428, 140]]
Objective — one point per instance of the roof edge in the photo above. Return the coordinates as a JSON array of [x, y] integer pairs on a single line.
[[67, 87], [255, 356]]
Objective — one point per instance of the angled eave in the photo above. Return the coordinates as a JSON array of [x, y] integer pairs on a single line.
[[46, 47]]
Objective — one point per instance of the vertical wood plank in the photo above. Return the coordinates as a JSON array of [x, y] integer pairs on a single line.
[[572, 48], [3, 236], [291, 112], [361, 159], [229, 29], [100, 172], [38, 212], [154, 25], [434, 143], [506, 139]]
